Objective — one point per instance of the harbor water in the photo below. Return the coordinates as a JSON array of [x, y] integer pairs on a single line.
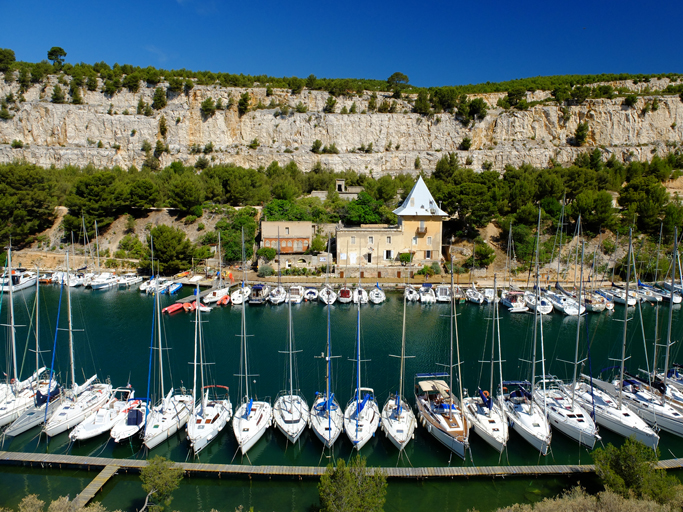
[[113, 336]]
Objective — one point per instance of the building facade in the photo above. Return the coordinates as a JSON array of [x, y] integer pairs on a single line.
[[295, 236], [418, 232]]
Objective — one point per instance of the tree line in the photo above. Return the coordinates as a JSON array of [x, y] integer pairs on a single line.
[[117, 77]]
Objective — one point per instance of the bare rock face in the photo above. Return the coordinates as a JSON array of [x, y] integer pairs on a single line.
[[67, 134]]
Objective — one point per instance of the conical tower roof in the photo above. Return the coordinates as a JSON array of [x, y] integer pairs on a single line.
[[420, 203]]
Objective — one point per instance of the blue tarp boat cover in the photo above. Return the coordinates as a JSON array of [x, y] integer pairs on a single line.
[[41, 398], [248, 410], [135, 417]]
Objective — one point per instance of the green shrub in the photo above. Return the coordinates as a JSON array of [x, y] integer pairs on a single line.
[[208, 107], [466, 144], [58, 95], [265, 271], [267, 253], [190, 219], [159, 99], [581, 134], [427, 271], [608, 247], [405, 257], [436, 268], [201, 226], [631, 100], [254, 144], [17, 144]]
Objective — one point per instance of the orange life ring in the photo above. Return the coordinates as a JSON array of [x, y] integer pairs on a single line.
[[486, 394]]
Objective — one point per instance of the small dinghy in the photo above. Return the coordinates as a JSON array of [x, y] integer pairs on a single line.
[[172, 308]]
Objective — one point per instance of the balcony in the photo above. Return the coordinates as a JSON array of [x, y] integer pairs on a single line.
[[421, 231]]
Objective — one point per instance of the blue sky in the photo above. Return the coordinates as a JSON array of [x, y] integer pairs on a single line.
[[435, 43]]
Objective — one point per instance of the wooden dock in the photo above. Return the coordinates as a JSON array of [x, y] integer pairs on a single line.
[[109, 467]]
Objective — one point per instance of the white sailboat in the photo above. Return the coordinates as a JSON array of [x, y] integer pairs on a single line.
[[19, 396], [130, 424], [79, 401], [327, 419], [36, 414], [170, 414], [377, 295], [486, 412], [291, 412], [565, 414], [253, 417], [102, 420], [398, 419], [526, 417], [361, 417], [438, 408], [220, 290], [209, 413]]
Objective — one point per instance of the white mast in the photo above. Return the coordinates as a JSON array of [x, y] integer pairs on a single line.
[[194, 373], [623, 345], [97, 245], [536, 314], [71, 334], [578, 328], [13, 334], [161, 351], [671, 309], [244, 328]]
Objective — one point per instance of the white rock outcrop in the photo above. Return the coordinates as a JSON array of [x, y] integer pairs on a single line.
[[66, 134]]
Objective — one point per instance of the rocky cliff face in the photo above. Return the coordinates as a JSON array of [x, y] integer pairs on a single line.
[[69, 134]]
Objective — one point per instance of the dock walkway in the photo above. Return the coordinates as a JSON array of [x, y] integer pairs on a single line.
[[109, 467]]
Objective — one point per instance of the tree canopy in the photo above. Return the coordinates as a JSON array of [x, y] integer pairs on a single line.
[[352, 487], [160, 477]]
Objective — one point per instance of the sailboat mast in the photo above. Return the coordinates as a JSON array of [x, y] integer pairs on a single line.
[[13, 333], [493, 330], [671, 309], [454, 326], [623, 344], [201, 355], [329, 342], [196, 334], [37, 320], [220, 262], [71, 334], [97, 245], [244, 326], [559, 252], [291, 354], [358, 380], [403, 352], [538, 299], [654, 345], [161, 351], [578, 328]]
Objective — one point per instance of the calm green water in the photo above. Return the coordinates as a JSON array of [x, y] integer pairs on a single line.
[[115, 343]]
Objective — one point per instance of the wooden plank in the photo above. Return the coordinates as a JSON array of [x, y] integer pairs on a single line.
[[70, 461], [97, 483]]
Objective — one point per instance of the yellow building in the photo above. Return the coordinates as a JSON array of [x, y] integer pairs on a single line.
[[377, 245]]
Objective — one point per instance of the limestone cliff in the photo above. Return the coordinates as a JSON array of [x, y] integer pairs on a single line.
[[66, 134]]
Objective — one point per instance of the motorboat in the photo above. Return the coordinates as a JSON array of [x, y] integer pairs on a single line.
[[259, 294], [104, 281], [102, 420], [411, 294], [19, 280], [345, 295], [377, 295], [129, 279], [310, 294], [427, 295], [295, 294], [443, 293], [134, 421], [545, 307], [514, 301], [173, 288], [216, 295], [327, 295]]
